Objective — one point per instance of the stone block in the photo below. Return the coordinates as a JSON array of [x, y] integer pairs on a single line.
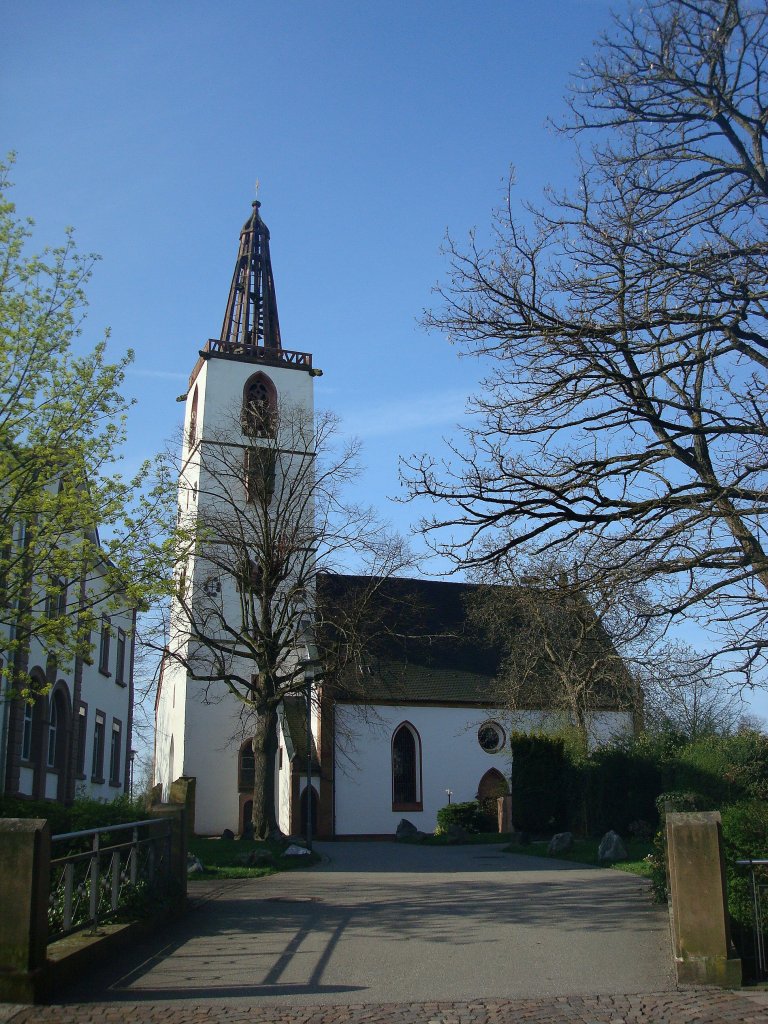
[[703, 951], [182, 791], [25, 852]]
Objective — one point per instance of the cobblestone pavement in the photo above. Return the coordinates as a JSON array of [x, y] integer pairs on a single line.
[[688, 1007]]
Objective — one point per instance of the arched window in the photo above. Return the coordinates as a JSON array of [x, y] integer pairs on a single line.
[[259, 406], [26, 738], [245, 767], [58, 728], [406, 769], [192, 434], [53, 727]]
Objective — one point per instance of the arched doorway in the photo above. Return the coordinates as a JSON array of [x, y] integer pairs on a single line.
[[315, 805], [246, 820], [492, 786]]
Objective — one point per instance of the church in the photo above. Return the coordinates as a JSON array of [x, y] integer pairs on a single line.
[[423, 725]]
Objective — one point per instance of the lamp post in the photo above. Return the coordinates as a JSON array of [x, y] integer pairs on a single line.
[[309, 675]]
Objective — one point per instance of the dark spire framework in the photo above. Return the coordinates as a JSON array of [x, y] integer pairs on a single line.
[[251, 318], [251, 331]]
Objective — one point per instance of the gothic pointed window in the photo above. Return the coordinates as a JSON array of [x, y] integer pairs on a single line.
[[259, 406], [246, 767], [406, 769]]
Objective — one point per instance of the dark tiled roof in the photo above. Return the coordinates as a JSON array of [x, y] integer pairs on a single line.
[[421, 645], [390, 681]]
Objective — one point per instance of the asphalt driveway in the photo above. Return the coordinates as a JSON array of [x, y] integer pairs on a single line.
[[383, 922]]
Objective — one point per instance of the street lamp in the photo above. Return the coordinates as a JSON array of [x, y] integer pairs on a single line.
[[309, 676]]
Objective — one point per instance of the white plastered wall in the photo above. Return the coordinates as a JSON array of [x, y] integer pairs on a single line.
[[205, 724], [451, 758]]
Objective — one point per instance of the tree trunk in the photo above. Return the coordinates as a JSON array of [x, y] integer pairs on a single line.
[[264, 751]]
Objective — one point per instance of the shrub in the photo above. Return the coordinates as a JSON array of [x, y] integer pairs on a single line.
[[619, 785], [726, 769], [745, 837], [542, 780], [470, 816], [84, 813]]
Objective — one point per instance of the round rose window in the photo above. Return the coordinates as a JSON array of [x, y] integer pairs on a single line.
[[490, 736]]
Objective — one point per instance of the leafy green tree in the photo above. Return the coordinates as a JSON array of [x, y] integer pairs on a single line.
[[62, 424]]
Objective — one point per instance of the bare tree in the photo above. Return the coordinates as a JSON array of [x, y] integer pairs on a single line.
[[269, 518], [626, 332], [684, 695], [569, 649]]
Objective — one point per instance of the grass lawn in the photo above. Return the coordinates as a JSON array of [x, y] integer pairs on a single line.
[[223, 858], [585, 852]]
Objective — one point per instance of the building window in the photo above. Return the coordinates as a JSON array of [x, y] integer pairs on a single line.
[[26, 736], [259, 413], [114, 753], [82, 733], [491, 737], [97, 764], [58, 727], [259, 475], [53, 728], [104, 645], [406, 769], [120, 666], [193, 420], [56, 599], [246, 769]]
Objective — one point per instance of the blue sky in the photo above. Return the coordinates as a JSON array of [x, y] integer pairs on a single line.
[[372, 128]]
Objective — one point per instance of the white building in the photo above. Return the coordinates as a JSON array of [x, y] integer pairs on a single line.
[[74, 738], [427, 721]]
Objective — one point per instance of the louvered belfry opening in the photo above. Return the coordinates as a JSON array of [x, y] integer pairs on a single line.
[[251, 320]]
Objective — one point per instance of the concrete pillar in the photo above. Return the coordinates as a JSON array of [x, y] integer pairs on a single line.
[[25, 857], [700, 925], [504, 805]]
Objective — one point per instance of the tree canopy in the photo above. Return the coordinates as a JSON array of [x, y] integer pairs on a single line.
[[62, 424]]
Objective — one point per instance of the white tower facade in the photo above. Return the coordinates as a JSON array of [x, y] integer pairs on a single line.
[[246, 373]]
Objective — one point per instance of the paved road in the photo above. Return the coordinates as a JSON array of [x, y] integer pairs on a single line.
[[437, 934]]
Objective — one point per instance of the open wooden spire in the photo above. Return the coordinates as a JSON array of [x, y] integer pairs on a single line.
[[251, 318]]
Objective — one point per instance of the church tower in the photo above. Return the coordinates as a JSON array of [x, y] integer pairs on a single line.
[[239, 385]]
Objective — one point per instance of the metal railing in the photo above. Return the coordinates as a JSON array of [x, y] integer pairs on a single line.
[[758, 882], [101, 875]]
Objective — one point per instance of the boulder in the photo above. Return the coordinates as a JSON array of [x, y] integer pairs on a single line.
[[405, 829], [611, 848], [194, 864], [227, 834], [295, 851], [561, 842]]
